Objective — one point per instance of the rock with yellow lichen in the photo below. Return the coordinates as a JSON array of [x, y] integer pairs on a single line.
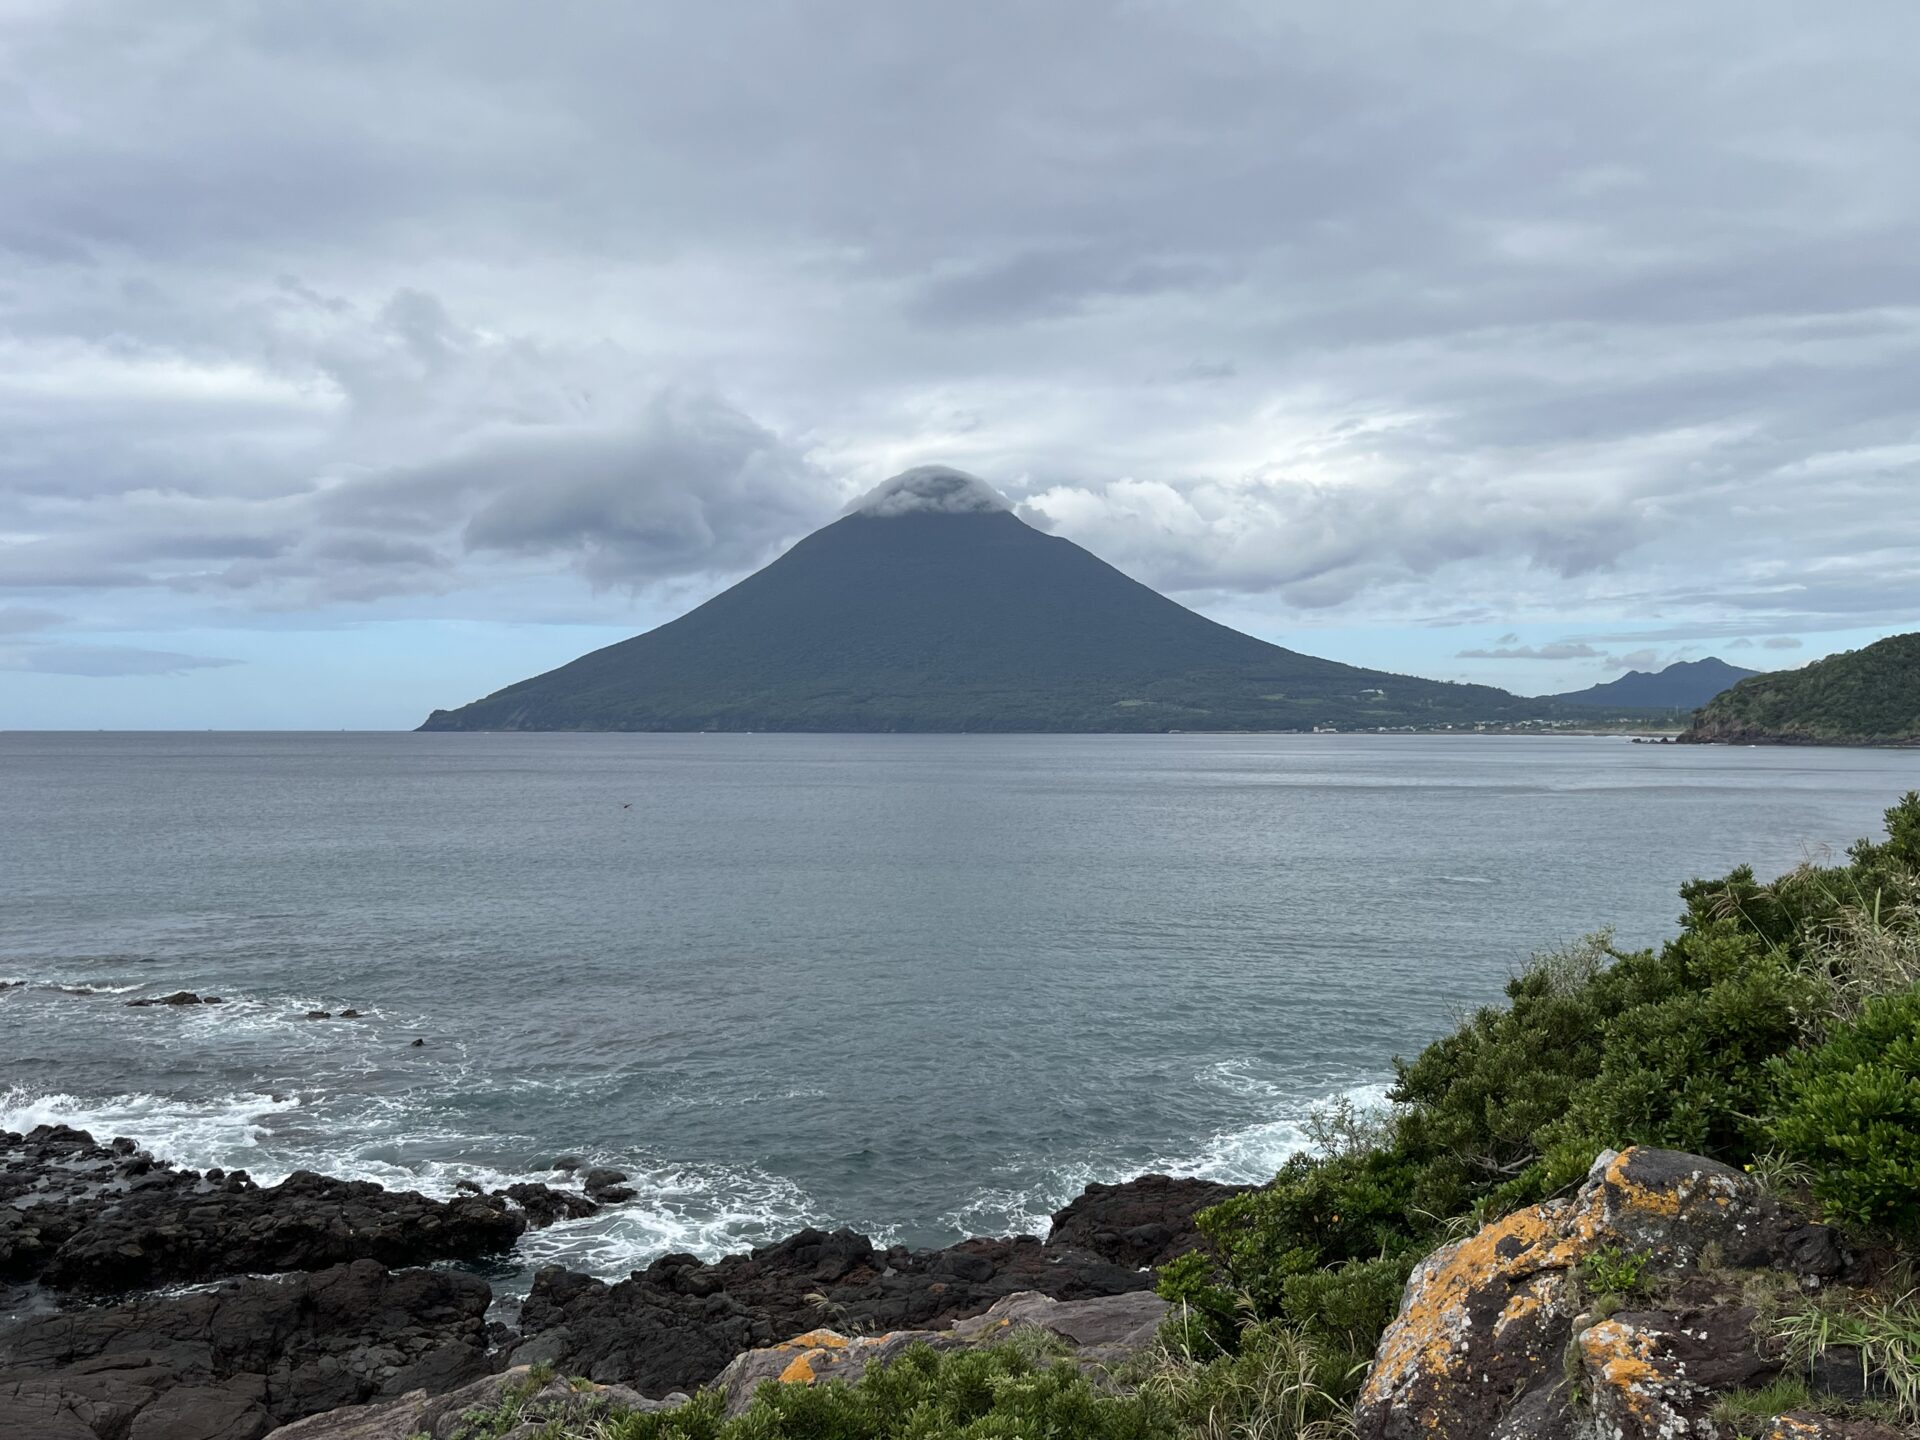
[[1102, 1332], [1654, 1375], [817, 1356], [1480, 1349]]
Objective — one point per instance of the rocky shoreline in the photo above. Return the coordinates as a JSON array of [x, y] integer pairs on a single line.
[[161, 1303]]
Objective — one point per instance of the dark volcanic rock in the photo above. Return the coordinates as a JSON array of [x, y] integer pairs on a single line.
[[1146, 1221], [179, 997], [233, 1362], [544, 1206], [609, 1187], [676, 1324], [80, 1216]]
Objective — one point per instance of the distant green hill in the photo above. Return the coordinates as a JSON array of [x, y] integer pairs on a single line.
[[934, 608], [1869, 696], [1683, 685]]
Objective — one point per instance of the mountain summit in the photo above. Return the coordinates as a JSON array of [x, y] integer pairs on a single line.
[[1683, 685], [930, 490], [931, 606]]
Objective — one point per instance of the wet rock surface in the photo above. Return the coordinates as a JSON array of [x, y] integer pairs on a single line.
[[77, 1215], [232, 1362], [1145, 1221]]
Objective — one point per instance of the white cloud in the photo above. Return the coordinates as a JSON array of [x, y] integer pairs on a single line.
[[930, 490]]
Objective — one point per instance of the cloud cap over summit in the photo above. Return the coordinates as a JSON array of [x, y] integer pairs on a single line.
[[930, 490]]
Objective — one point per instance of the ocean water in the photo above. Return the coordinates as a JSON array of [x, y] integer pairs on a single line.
[[926, 986]]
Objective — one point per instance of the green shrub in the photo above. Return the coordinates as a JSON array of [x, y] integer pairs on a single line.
[[1850, 1112], [1608, 1270], [991, 1394], [1686, 1067], [1346, 1308]]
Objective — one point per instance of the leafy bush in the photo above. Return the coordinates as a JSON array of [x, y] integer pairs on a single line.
[[1611, 1271], [966, 1395], [1850, 1111], [1344, 1309]]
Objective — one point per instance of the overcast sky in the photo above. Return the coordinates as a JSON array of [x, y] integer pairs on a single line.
[[357, 359]]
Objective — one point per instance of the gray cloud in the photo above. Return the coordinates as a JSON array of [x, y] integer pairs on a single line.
[[101, 661], [1557, 650], [1781, 642], [24, 620], [1645, 659], [930, 490], [1414, 316]]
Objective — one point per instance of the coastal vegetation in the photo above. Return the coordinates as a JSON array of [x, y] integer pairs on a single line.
[[1778, 1031], [1869, 696]]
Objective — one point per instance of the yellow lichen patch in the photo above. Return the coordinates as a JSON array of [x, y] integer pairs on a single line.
[[815, 1340], [1794, 1427], [1430, 1339], [1618, 1196], [799, 1370], [1620, 1357], [1527, 1302]]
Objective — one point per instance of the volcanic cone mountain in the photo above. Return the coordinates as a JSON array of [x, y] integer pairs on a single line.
[[933, 607]]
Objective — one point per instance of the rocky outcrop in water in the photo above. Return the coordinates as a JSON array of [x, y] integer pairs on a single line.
[[75, 1215]]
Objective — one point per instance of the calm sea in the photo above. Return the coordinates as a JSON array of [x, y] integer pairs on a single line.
[[925, 986]]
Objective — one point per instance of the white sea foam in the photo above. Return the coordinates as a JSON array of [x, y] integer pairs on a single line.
[[401, 1141], [707, 1211], [193, 1133], [1244, 1155], [1252, 1153]]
